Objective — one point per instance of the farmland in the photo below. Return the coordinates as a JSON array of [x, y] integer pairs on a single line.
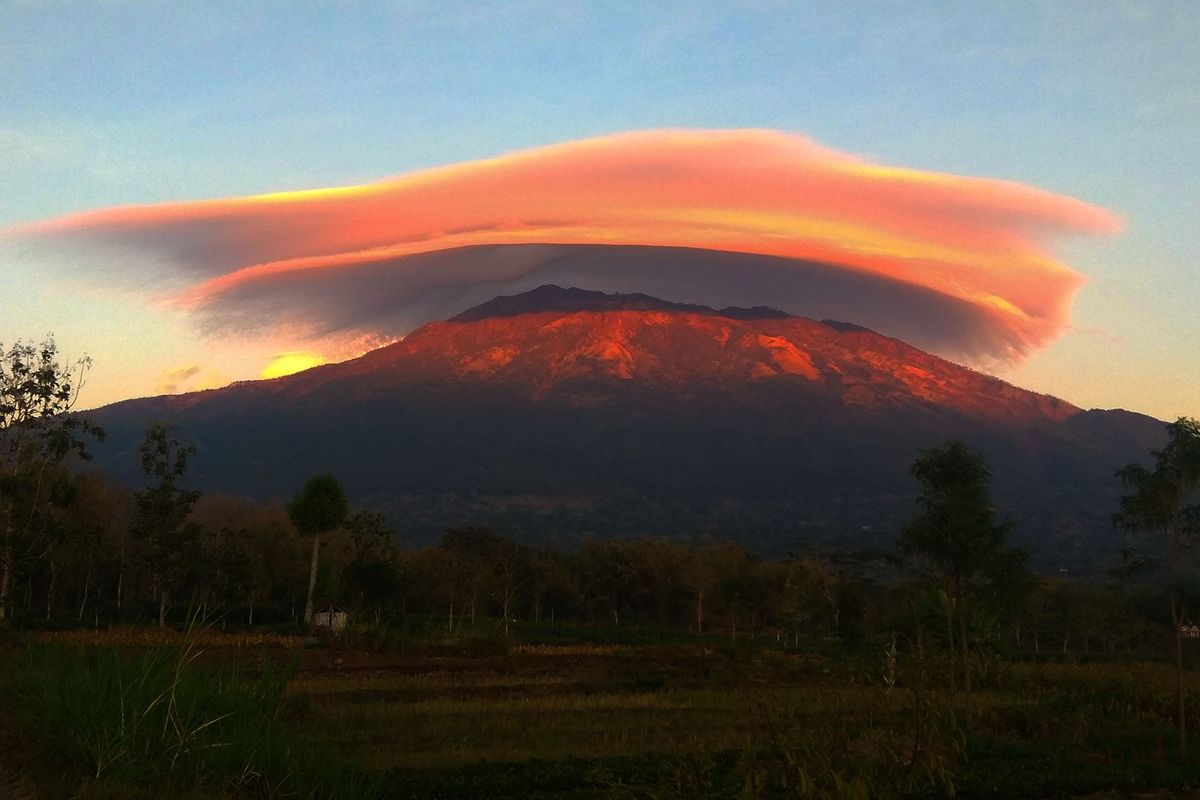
[[627, 714]]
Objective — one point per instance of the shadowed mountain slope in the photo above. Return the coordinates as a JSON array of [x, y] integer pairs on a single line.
[[562, 413]]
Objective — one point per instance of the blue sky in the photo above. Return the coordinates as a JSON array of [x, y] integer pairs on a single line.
[[114, 103]]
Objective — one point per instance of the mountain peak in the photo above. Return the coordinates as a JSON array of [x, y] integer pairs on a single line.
[[577, 411], [550, 297]]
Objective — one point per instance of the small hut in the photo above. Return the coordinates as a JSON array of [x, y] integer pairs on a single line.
[[1189, 631], [331, 617]]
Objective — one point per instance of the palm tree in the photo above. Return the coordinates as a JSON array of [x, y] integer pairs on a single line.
[[319, 508]]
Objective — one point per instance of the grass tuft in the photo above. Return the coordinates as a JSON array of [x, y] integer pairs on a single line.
[[160, 721]]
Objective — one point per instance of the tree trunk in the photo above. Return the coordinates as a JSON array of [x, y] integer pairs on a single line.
[[87, 585], [962, 636], [120, 580], [5, 582], [250, 619], [312, 579], [50, 591], [1177, 620], [162, 607], [950, 646], [699, 612]]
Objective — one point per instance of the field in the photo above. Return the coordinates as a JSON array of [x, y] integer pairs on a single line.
[[648, 717]]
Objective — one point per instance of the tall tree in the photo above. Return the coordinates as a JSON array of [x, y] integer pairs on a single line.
[[1162, 505], [163, 511], [956, 535], [319, 508], [37, 435]]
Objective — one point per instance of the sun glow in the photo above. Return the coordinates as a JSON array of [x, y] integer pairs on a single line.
[[291, 363]]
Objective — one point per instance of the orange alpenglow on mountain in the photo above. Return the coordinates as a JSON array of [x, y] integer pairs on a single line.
[[576, 346]]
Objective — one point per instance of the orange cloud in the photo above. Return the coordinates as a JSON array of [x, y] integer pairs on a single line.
[[981, 243]]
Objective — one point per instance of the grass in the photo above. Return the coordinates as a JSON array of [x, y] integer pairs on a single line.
[[159, 722], [127, 637], [578, 719]]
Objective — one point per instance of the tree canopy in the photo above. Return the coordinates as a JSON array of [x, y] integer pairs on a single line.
[[320, 506], [956, 535], [1161, 504], [37, 436]]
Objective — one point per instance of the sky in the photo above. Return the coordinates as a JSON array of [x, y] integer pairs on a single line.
[[1058, 139]]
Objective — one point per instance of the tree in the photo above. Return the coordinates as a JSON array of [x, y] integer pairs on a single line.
[[37, 435], [319, 508], [1158, 505], [956, 535], [163, 511], [374, 573], [552, 585]]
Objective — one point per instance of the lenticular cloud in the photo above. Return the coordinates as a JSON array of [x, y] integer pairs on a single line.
[[959, 264]]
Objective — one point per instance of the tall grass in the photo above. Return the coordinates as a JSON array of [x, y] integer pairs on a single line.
[[161, 721]]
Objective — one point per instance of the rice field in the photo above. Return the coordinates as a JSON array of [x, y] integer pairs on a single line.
[[674, 720]]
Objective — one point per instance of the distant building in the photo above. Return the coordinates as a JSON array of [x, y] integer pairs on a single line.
[[1189, 631], [331, 617]]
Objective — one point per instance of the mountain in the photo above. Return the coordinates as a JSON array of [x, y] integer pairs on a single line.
[[562, 413]]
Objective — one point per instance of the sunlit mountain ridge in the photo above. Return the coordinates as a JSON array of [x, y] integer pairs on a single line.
[[560, 413]]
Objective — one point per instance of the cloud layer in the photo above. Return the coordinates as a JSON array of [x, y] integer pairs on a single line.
[[963, 264]]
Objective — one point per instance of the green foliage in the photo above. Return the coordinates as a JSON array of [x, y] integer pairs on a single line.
[[955, 529], [709, 718], [161, 721], [320, 506], [1157, 503], [910, 743], [955, 534], [171, 542], [1157, 506], [37, 438]]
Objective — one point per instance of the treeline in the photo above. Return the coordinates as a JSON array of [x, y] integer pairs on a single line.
[[76, 548], [247, 564]]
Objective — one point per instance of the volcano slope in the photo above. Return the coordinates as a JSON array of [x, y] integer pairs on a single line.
[[561, 413]]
